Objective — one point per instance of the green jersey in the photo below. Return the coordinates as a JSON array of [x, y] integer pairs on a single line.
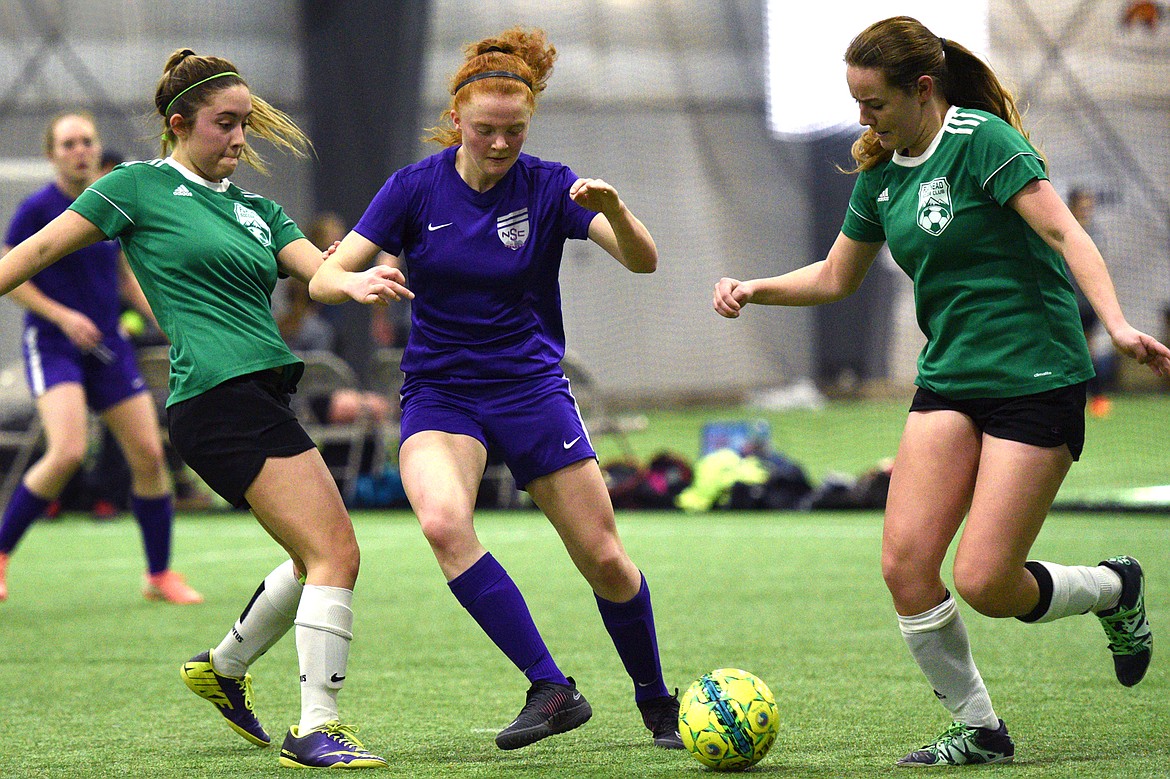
[[205, 256], [993, 299]]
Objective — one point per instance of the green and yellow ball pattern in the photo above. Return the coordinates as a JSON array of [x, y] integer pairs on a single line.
[[728, 719]]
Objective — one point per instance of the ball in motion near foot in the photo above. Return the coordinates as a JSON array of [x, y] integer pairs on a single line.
[[728, 719]]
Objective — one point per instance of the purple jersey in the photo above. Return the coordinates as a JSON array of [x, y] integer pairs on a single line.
[[86, 280], [483, 265]]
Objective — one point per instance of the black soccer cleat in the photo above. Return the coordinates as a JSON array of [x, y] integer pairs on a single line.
[[1126, 626], [550, 709], [964, 745], [660, 715]]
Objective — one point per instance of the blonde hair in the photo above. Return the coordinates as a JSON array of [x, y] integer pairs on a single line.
[[524, 54], [51, 128], [903, 49], [187, 83]]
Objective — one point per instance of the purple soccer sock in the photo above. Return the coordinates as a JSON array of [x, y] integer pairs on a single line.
[[631, 626], [494, 601], [22, 510], [155, 517]]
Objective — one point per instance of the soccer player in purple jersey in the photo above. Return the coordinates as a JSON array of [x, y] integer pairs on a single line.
[[75, 356], [482, 227]]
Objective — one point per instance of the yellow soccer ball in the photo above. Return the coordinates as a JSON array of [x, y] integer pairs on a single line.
[[728, 719]]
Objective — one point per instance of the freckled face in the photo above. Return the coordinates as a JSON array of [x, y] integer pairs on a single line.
[[493, 128], [897, 117], [211, 144]]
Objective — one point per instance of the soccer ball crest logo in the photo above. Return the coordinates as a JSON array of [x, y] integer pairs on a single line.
[[934, 218], [728, 719], [254, 224], [934, 205]]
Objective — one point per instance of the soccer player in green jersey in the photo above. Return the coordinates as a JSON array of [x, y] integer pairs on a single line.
[[207, 255], [949, 182]]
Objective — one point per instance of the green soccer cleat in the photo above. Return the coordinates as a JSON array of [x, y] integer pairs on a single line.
[[233, 697], [331, 745], [1126, 626], [964, 745]]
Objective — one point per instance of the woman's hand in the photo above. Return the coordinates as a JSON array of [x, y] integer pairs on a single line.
[[79, 329], [378, 284], [731, 295], [1146, 349], [596, 195]]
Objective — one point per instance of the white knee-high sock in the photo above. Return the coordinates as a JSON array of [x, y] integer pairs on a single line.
[[324, 629], [1066, 590], [938, 642], [264, 621]]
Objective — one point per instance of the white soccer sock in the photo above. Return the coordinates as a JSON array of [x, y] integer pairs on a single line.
[[324, 629], [264, 622], [1079, 589], [938, 642]]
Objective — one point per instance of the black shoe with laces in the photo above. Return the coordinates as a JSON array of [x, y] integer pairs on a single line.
[[1126, 626], [965, 745], [551, 708], [661, 716]]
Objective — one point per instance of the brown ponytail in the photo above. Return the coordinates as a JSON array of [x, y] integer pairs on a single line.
[[903, 50], [187, 83]]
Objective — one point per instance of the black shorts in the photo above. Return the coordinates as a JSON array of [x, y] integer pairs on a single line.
[[1045, 419], [227, 433]]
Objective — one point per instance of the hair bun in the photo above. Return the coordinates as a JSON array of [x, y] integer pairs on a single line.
[[177, 57]]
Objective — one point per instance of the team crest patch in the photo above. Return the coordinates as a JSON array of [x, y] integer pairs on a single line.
[[513, 228], [934, 205], [254, 224]]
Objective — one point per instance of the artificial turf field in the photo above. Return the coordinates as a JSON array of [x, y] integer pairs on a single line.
[[89, 683]]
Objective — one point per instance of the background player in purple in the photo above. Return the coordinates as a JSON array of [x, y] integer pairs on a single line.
[[75, 356], [482, 228]]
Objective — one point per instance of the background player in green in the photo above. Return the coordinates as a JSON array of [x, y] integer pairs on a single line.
[[948, 180], [207, 255]]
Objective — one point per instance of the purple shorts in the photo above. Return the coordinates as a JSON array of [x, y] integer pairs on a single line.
[[108, 374], [534, 424]]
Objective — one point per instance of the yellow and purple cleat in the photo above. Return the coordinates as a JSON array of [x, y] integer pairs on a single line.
[[233, 697], [331, 745]]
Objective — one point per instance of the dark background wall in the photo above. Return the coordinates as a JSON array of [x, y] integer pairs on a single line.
[[363, 65]]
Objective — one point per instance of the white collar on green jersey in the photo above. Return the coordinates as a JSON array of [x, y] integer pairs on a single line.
[[913, 162], [218, 186]]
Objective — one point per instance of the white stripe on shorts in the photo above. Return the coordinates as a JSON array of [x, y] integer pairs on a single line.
[[35, 369]]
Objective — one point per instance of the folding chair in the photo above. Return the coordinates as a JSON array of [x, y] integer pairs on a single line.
[[326, 373], [386, 372], [598, 418], [20, 428], [154, 363]]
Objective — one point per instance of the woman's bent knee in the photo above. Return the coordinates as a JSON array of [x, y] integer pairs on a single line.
[[985, 594], [445, 530], [336, 562]]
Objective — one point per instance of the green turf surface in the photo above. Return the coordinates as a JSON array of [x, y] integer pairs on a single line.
[[89, 683]]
